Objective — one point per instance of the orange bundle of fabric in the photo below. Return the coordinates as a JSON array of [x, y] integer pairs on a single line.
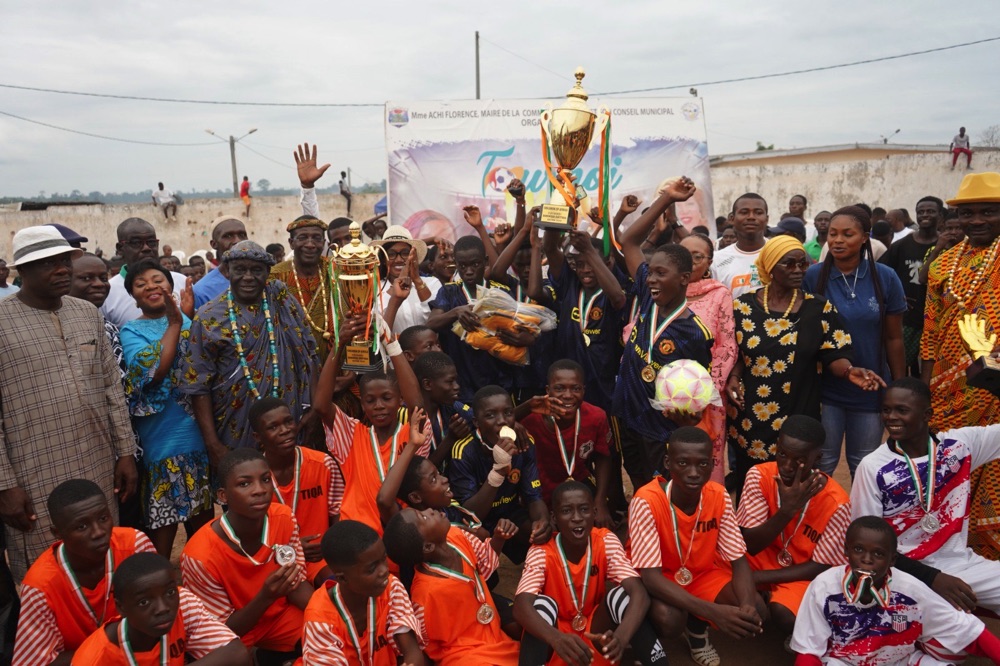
[[499, 312]]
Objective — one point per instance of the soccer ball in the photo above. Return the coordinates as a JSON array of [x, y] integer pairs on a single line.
[[684, 385]]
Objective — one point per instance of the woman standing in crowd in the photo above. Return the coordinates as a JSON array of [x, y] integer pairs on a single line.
[[869, 297], [712, 302], [783, 333], [402, 258], [174, 477]]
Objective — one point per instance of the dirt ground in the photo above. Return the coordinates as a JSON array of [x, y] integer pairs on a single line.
[[765, 650]]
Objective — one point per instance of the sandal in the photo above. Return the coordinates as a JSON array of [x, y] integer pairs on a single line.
[[706, 654]]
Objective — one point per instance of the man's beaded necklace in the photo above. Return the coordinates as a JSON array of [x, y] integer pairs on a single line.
[[238, 341]]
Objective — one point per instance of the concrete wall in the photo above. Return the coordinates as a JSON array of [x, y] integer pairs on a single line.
[[268, 217], [894, 181]]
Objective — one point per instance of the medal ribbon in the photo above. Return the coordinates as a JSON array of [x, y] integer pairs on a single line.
[[924, 497], [298, 480], [109, 564], [469, 297], [865, 582], [673, 521], [785, 541], [473, 520], [445, 572], [585, 312], [656, 331], [126, 646], [231, 535], [569, 462], [352, 630], [577, 602], [378, 454]]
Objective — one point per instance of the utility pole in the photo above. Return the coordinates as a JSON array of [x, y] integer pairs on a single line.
[[477, 64], [232, 156]]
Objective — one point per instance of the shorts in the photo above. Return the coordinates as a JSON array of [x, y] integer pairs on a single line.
[[707, 584], [789, 594], [246, 199]]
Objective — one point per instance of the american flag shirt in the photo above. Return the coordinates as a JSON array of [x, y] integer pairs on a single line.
[[838, 632], [883, 486]]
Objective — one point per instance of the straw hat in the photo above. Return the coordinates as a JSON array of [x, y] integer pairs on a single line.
[[400, 234]]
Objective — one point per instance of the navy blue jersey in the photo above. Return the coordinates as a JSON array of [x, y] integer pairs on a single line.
[[439, 420], [476, 368], [471, 462], [602, 357], [685, 337]]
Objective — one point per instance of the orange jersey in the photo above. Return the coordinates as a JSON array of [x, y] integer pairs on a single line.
[[195, 633], [447, 611], [53, 619], [226, 580], [717, 537], [320, 494], [326, 639], [818, 536], [544, 574], [349, 441]]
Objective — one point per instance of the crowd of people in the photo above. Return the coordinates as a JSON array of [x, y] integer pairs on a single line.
[[349, 517]]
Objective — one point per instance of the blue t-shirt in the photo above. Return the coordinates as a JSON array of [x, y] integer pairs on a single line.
[[471, 462], [209, 287], [861, 319], [440, 419], [602, 357], [476, 368], [685, 337]]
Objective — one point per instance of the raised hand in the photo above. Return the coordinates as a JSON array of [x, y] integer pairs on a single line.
[[501, 235], [678, 189], [801, 490], [305, 164], [473, 216], [418, 422], [505, 529], [629, 204], [400, 287], [458, 427], [173, 312], [187, 299], [516, 190]]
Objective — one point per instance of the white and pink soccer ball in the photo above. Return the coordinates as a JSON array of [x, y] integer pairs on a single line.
[[686, 386]]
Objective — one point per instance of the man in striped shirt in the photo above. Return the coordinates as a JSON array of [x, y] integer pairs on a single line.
[[66, 594], [793, 518]]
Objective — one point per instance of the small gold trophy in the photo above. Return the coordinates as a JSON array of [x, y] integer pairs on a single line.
[[568, 133], [984, 373], [357, 279]]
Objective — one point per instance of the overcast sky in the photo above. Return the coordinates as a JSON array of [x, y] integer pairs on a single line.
[[370, 52]]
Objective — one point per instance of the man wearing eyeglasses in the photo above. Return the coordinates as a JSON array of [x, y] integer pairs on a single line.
[[136, 241]]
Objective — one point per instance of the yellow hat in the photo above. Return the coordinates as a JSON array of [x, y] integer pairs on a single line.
[[978, 188], [774, 249]]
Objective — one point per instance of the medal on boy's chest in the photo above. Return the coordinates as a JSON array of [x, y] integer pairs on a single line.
[[683, 576], [485, 614], [785, 558], [579, 622], [648, 374], [929, 523]]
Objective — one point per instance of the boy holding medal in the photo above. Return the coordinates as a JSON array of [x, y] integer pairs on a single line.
[[66, 594], [362, 616], [868, 614], [688, 549], [793, 518], [563, 601], [921, 485], [248, 567], [461, 624], [665, 330], [366, 453], [574, 441], [309, 482], [161, 623]]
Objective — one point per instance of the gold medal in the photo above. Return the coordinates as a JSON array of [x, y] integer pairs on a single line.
[[785, 558], [648, 374], [683, 577], [586, 339], [485, 614], [579, 622]]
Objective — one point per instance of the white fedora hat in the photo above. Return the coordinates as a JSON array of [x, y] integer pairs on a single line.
[[34, 243], [400, 234]]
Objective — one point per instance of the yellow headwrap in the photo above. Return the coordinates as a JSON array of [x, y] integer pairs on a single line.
[[774, 249]]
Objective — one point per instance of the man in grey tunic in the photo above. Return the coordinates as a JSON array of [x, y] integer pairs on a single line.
[[62, 408]]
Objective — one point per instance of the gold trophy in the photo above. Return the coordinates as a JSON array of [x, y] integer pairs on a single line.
[[357, 279], [984, 373], [568, 133]]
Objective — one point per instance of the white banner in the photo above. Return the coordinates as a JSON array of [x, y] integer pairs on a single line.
[[447, 155]]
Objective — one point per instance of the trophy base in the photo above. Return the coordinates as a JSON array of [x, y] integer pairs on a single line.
[[359, 357], [984, 374], [555, 216]]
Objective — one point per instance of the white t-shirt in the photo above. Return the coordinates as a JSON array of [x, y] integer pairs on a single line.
[[897, 235], [736, 270], [884, 487], [838, 632], [961, 141], [120, 308], [162, 197], [412, 312]]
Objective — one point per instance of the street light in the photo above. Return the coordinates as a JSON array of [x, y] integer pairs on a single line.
[[232, 155]]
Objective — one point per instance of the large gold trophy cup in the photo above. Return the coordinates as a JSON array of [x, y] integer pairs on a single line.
[[568, 133], [357, 279]]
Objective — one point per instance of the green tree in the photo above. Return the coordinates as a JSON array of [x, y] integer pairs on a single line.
[[761, 146], [263, 184]]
